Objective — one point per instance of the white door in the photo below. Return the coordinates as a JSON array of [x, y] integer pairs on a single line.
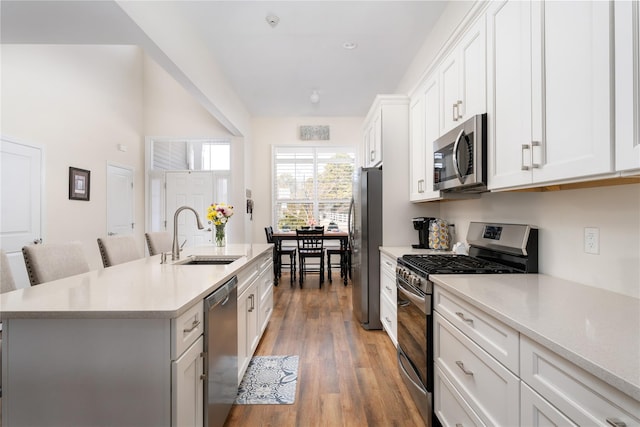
[[193, 189], [120, 208], [21, 208]]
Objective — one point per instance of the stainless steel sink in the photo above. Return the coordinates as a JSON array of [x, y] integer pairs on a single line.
[[208, 260]]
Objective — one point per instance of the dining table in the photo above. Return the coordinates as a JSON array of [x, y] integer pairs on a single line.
[[342, 236]]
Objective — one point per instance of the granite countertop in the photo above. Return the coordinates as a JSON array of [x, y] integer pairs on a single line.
[[138, 289], [594, 328]]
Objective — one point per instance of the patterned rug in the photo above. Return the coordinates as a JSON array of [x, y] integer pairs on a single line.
[[269, 380]]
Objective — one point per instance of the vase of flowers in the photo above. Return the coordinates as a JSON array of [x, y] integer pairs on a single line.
[[218, 214]]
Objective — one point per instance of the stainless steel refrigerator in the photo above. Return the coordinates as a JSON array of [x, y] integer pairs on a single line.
[[365, 238]]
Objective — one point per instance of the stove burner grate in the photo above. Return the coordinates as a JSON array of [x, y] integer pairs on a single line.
[[453, 264]]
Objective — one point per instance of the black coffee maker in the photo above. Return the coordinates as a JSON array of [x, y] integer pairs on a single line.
[[421, 224]]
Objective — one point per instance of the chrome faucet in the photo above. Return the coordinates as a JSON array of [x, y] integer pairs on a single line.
[[175, 249]]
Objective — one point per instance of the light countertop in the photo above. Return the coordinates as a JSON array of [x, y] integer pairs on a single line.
[[398, 251], [138, 289], [595, 329]]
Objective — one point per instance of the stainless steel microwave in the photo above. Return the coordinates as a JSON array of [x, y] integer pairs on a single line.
[[460, 157]]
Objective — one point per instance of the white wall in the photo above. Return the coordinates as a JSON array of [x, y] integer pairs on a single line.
[[79, 103], [171, 112], [269, 131]]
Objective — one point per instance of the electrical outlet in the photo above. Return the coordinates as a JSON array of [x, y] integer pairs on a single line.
[[592, 240]]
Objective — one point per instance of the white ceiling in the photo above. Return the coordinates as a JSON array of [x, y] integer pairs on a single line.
[[272, 70]]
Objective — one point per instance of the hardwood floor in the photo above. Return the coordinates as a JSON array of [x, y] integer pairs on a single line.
[[347, 376]]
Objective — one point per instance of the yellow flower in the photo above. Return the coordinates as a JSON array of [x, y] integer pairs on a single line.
[[219, 213]]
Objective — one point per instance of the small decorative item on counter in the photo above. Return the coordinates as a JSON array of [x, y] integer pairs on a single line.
[[218, 214], [439, 237]]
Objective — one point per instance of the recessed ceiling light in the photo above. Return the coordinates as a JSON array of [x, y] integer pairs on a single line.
[[315, 97], [272, 20], [349, 45]]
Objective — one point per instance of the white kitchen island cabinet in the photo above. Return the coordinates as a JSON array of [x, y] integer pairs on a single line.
[[120, 346]]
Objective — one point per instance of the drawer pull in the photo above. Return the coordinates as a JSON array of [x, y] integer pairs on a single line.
[[194, 325], [388, 288], [461, 366], [461, 315], [616, 422], [387, 319]]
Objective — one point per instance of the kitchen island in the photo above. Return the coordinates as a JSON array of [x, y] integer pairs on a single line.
[[107, 347]]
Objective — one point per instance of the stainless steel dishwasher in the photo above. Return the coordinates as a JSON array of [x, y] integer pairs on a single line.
[[221, 347]]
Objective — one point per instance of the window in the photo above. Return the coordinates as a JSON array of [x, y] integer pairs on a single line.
[[312, 186]]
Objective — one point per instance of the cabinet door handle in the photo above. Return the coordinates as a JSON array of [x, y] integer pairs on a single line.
[[455, 113], [534, 145], [522, 165], [194, 325], [421, 186], [615, 422], [252, 307], [372, 155], [461, 315], [458, 105], [461, 366], [387, 319]]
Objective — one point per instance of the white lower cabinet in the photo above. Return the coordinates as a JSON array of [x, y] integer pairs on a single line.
[[450, 406], [535, 411], [388, 297], [581, 397], [255, 305], [187, 387], [486, 386]]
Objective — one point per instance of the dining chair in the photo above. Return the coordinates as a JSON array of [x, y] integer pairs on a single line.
[[53, 261], [278, 252], [117, 250], [310, 245], [158, 242], [342, 252]]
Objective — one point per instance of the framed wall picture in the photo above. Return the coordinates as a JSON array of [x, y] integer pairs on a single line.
[[79, 184]]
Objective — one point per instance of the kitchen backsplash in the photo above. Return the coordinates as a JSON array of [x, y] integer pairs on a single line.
[[561, 217]]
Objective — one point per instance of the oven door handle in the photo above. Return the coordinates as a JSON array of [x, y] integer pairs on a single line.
[[411, 376], [420, 302]]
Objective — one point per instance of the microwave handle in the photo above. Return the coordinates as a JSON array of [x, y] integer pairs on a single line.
[[456, 167]]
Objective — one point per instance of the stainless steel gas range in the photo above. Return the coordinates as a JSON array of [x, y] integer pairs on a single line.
[[494, 249]]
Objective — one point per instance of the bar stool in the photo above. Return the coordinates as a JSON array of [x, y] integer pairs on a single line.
[[53, 261], [117, 249], [158, 242]]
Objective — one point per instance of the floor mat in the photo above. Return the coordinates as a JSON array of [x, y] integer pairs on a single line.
[[269, 380]]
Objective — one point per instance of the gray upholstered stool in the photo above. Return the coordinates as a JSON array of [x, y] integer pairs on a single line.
[[117, 249], [158, 242], [53, 261]]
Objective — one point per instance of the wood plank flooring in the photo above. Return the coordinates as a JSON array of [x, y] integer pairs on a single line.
[[347, 376]]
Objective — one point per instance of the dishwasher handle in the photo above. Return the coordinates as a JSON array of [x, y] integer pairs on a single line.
[[221, 295]]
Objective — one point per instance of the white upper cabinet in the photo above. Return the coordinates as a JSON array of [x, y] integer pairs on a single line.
[[373, 140], [627, 65], [509, 88], [463, 79], [425, 129], [577, 99], [550, 103], [417, 146]]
